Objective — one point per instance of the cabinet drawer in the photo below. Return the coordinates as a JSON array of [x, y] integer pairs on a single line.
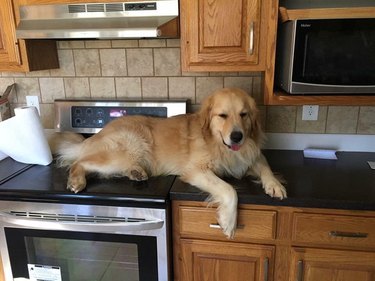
[[334, 229], [202, 223]]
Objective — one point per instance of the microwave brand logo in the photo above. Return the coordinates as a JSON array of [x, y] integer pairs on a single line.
[[305, 25]]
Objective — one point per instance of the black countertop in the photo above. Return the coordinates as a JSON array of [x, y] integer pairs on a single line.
[[346, 183], [24, 182]]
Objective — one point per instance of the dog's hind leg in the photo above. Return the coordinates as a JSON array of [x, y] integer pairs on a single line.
[[221, 193], [105, 164]]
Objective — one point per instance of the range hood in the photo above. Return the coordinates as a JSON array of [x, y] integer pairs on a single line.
[[113, 20]]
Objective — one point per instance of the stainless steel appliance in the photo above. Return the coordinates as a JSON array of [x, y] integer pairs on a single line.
[[326, 56], [110, 20], [116, 229]]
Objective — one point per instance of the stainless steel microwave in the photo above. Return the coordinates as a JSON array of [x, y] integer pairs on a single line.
[[326, 56]]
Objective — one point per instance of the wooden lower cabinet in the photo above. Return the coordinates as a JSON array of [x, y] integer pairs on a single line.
[[273, 244], [214, 261], [331, 265]]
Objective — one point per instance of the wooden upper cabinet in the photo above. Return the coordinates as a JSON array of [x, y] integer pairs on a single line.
[[20, 55], [9, 52], [221, 35]]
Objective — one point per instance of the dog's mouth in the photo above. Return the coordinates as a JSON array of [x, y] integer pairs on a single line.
[[233, 146]]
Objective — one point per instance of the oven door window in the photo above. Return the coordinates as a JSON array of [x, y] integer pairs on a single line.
[[78, 256]]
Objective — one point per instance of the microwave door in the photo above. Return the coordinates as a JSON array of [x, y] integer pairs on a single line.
[[333, 56]]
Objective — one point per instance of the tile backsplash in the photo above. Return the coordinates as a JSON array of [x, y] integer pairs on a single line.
[[144, 69]]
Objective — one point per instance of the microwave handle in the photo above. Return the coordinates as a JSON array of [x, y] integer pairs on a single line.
[[251, 38], [85, 226]]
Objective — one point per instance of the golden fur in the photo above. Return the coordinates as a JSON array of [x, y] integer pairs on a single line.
[[222, 139]]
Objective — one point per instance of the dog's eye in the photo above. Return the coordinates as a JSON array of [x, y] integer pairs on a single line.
[[223, 115], [243, 114]]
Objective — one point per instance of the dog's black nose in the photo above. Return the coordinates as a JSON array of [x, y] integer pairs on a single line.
[[236, 136]]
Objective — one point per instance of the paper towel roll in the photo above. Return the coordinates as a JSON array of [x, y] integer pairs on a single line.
[[22, 137]]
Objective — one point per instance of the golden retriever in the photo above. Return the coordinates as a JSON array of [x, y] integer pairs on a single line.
[[222, 139]]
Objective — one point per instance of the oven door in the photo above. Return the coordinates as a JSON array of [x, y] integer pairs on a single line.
[[53, 242]]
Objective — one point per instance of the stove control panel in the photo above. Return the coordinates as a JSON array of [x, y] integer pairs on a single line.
[[98, 117], [90, 117]]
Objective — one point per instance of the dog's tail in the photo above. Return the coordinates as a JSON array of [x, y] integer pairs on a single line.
[[66, 146]]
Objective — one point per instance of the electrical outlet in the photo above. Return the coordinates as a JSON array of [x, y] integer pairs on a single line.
[[33, 101], [310, 112]]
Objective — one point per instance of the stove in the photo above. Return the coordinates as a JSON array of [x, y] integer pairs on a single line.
[[116, 229]]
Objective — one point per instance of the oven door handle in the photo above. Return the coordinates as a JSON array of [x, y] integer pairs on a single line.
[[81, 225]]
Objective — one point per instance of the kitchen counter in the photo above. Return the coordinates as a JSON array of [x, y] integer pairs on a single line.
[[24, 182], [346, 183]]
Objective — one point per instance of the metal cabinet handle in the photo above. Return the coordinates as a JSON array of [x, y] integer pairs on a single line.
[[266, 263], [216, 225], [251, 38], [348, 234], [299, 270]]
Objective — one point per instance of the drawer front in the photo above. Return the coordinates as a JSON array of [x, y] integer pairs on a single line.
[[202, 223], [334, 229]]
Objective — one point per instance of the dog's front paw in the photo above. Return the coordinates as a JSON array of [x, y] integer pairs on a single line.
[[76, 184], [227, 215], [275, 189], [138, 174]]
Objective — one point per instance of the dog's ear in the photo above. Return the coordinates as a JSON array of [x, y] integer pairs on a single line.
[[205, 113], [256, 132]]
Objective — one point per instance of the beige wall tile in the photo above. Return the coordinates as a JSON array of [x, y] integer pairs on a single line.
[[74, 44], [215, 74], [124, 43], [13, 74], [113, 62], [366, 122], [47, 115], [342, 119], [140, 62], [87, 62], [51, 89], [207, 85], [154, 88], [262, 116], [77, 87], [257, 91], [306, 126], [182, 87], [93, 44], [167, 62], [66, 64], [183, 73], [152, 43], [244, 83], [281, 119], [128, 87], [102, 87], [26, 87], [39, 73], [173, 43]]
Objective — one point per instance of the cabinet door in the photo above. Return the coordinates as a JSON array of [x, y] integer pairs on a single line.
[[328, 265], [215, 261], [9, 53], [221, 35]]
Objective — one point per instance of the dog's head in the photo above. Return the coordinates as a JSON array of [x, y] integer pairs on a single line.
[[230, 116]]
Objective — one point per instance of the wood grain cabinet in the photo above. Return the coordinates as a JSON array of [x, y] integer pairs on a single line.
[[273, 244], [20, 55], [219, 35]]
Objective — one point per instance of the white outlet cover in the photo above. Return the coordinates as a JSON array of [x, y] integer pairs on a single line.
[[310, 112]]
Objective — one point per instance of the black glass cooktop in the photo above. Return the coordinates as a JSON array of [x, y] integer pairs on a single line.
[[48, 183]]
